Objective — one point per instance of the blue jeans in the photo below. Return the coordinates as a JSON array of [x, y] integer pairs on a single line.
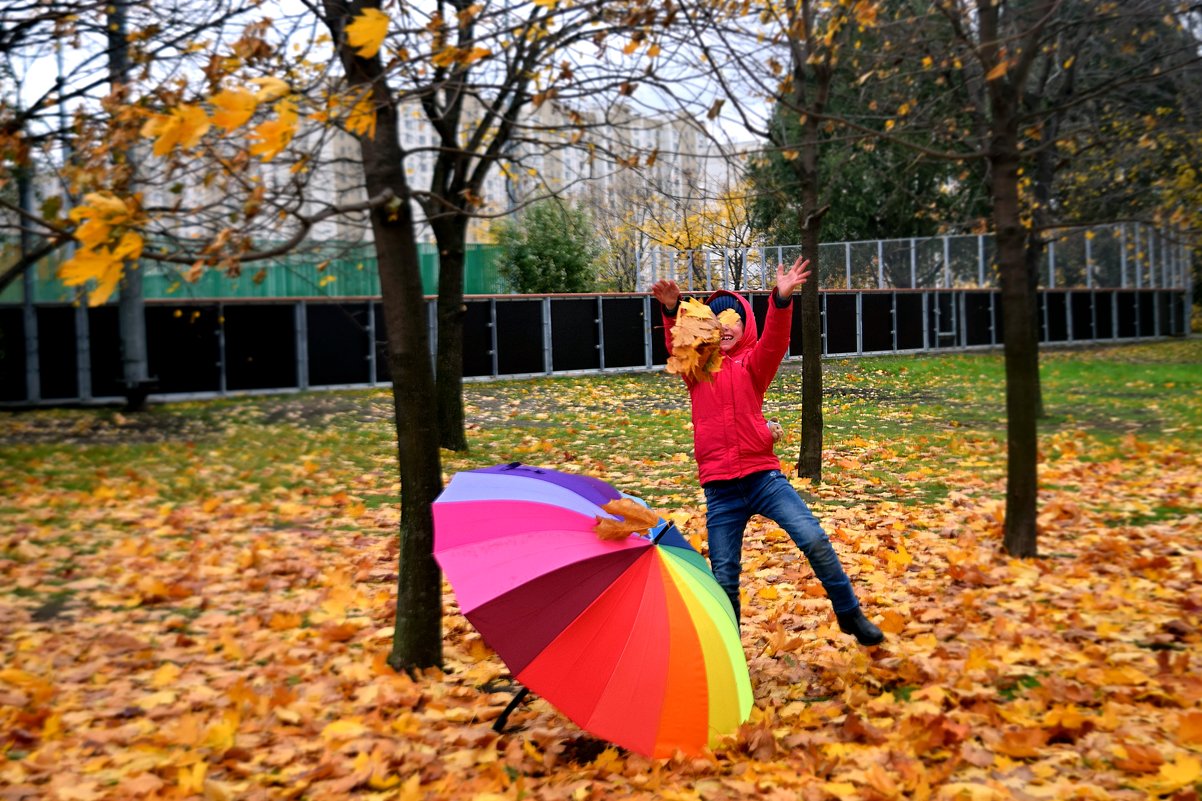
[[731, 503]]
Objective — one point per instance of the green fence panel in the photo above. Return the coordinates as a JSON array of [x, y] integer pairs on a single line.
[[345, 274]]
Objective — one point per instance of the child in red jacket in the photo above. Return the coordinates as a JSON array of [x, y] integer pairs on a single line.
[[733, 444]]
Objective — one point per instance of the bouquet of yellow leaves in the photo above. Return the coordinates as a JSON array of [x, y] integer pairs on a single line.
[[696, 340]]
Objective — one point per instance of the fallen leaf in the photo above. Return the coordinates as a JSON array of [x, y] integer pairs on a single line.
[[634, 518]]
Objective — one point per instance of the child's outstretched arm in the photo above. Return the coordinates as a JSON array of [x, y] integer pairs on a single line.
[[668, 294], [774, 343], [788, 282]]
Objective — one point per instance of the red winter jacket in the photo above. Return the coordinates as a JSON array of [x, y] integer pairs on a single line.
[[730, 435]]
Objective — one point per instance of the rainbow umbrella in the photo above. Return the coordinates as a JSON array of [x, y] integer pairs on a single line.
[[632, 639]]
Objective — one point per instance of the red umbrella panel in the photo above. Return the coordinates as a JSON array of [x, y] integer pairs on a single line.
[[632, 639]]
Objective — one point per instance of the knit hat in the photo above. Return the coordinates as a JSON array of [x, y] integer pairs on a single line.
[[724, 302]]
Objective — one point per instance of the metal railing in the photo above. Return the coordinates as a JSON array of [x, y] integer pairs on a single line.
[[1117, 256]]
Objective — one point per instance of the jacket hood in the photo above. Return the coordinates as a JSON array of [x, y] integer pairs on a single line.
[[750, 330]]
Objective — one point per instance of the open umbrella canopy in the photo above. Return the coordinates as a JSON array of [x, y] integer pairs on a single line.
[[631, 638]]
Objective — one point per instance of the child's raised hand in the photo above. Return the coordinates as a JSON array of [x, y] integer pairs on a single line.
[[667, 293], [787, 282]]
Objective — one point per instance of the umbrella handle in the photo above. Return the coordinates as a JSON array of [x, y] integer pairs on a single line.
[[499, 725]]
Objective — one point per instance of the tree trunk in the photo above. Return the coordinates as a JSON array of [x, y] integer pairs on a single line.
[[1021, 346], [29, 314], [417, 639], [1034, 252], [131, 304], [1045, 174], [451, 235], [809, 460]]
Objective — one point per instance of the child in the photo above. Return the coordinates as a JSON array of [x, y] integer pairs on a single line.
[[733, 443]]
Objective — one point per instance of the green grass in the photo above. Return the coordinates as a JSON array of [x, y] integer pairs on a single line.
[[899, 423]]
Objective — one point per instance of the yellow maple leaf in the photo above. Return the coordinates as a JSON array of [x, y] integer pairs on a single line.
[[1184, 771], [865, 13], [1189, 727], [101, 214], [271, 88], [222, 735], [361, 120], [337, 602], [231, 647], [729, 318], [103, 206], [998, 71], [474, 55], [165, 676], [680, 517], [282, 621], [234, 108], [878, 778], [192, 780], [635, 519], [696, 309], [194, 124], [343, 730], [52, 728], [608, 761], [411, 789], [271, 137], [104, 266], [129, 246], [152, 589], [900, 558], [367, 31], [183, 127], [38, 687], [164, 130], [161, 698], [893, 622], [971, 791], [93, 233], [446, 57], [223, 791], [1125, 676], [1022, 742]]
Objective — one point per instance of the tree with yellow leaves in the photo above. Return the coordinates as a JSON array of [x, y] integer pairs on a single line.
[[69, 128], [240, 144], [720, 228], [1031, 78], [1003, 86]]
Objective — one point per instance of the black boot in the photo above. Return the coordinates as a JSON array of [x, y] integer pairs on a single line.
[[855, 624]]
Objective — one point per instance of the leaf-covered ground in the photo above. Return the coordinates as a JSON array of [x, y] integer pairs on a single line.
[[197, 602]]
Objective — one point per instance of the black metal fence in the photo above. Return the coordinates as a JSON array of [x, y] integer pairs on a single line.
[[218, 347]]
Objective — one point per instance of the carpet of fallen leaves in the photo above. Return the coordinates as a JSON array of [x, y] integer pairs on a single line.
[[198, 603]]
